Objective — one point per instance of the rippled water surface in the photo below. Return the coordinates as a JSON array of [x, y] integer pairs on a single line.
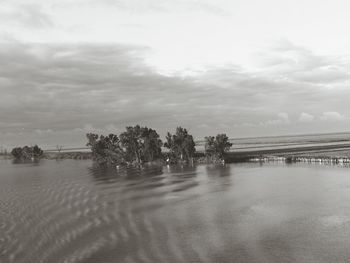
[[70, 211]]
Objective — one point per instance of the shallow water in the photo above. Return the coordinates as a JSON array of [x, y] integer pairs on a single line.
[[69, 211]]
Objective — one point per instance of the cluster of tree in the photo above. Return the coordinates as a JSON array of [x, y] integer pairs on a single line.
[[216, 147], [141, 144], [27, 153], [181, 145], [136, 145]]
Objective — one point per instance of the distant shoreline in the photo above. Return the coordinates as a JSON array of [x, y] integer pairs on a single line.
[[327, 153], [54, 156], [316, 153]]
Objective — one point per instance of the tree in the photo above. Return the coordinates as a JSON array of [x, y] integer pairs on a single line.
[[180, 145], [27, 153], [152, 145], [106, 150], [132, 141], [17, 152], [136, 144], [209, 147], [217, 146], [59, 148], [36, 151], [141, 144]]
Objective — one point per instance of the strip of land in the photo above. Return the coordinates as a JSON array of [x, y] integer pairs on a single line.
[[314, 151], [326, 151]]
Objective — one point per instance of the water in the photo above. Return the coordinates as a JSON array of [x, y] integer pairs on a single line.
[[70, 211]]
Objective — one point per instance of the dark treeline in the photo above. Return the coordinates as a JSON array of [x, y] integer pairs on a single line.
[[216, 147], [135, 145], [138, 145], [27, 152]]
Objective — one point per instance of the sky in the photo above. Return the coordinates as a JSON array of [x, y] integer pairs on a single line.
[[244, 68]]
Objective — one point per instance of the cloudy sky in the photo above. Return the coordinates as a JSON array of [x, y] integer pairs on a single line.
[[243, 67]]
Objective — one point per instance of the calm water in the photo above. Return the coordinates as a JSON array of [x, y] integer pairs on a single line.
[[72, 212]]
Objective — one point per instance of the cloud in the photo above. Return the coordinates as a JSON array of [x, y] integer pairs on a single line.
[[288, 61], [283, 119], [25, 15], [142, 6], [305, 117], [70, 89], [332, 116], [78, 88]]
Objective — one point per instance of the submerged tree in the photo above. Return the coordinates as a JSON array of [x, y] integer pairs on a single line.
[[141, 144], [106, 150], [216, 147], [152, 145], [181, 145], [37, 151], [27, 153], [132, 142], [17, 152], [136, 144]]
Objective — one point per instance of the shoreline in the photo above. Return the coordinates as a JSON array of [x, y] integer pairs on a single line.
[[329, 154]]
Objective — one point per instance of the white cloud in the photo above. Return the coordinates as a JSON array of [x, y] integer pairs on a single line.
[[41, 132], [283, 116], [173, 62], [215, 31], [332, 116], [283, 119], [305, 117]]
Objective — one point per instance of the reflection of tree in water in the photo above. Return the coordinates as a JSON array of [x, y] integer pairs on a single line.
[[148, 171], [220, 176], [140, 204], [179, 177], [218, 170], [187, 168], [129, 173], [183, 177], [26, 161]]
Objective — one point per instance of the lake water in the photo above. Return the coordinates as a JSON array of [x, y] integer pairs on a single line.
[[70, 211]]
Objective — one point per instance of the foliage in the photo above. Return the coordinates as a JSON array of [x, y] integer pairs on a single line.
[[141, 144], [217, 146], [106, 150], [180, 145], [17, 152], [136, 144], [27, 153], [132, 143], [152, 145]]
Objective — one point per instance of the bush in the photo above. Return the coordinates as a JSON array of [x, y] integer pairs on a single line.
[[106, 150], [216, 147], [27, 153], [181, 145], [135, 145]]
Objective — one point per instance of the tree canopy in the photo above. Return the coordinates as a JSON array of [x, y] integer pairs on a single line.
[[152, 145], [106, 150], [141, 144], [136, 144], [217, 146], [181, 144], [27, 153]]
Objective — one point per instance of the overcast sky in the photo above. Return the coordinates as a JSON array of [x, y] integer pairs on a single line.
[[243, 67]]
